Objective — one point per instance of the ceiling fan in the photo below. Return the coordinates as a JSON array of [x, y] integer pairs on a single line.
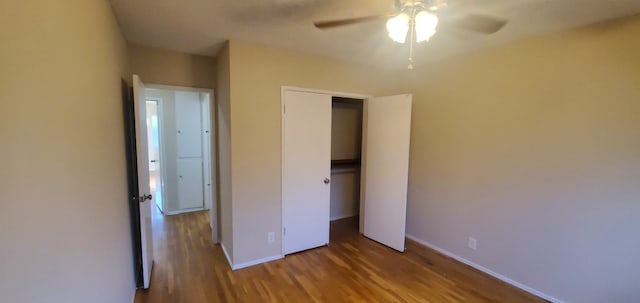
[[420, 19]]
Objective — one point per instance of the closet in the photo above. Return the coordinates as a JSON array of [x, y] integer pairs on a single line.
[[343, 155], [346, 149]]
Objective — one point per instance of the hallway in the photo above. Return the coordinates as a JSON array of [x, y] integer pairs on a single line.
[[190, 269]]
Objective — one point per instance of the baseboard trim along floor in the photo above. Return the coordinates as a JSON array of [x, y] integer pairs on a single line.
[[485, 270]]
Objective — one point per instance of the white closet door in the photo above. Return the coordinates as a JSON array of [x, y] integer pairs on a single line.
[[386, 136], [306, 170], [188, 124], [189, 150], [190, 187]]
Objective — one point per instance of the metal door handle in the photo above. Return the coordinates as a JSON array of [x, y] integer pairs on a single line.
[[326, 180], [145, 198], [153, 161]]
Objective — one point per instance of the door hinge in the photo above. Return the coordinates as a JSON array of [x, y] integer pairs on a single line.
[[284, 109], [285, 231]]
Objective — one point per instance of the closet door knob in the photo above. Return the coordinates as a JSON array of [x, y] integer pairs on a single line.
[[326, 180]]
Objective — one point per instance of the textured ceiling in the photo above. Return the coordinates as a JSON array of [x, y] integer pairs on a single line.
[[201, 26]]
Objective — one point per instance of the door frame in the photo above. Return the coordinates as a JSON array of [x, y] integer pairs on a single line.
[[283, 91], [162, 159], [213, 203]]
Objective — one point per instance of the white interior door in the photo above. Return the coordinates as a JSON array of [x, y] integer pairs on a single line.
[[144, 189], [386, 136], [306, 170]]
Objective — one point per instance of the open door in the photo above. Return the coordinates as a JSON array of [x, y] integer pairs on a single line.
[[385, 168], [306, 170], [146, 199]]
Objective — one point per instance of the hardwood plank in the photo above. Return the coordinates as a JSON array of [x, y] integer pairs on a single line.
[[190, 269]]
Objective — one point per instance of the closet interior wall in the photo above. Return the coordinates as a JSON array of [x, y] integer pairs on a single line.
[[346, 148]]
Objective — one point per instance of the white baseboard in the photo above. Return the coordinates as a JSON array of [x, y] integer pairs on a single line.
[[250, 263], [135, 290], [256, 262], [224, 250], [486, 270], [342, 217], [182, 211]]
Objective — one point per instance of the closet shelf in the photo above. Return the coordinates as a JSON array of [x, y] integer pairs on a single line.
[[345, 163]]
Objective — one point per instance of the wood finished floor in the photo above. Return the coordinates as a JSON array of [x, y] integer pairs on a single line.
[[190, 269]]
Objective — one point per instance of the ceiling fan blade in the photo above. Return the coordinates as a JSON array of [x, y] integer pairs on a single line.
[[344, 22], [479, 23], [438, 6]]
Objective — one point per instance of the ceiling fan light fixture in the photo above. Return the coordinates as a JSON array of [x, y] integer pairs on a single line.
[[398, 27], [425, 26]]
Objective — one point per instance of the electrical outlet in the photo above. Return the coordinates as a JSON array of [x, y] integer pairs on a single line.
[[473, 243], [271, 237]]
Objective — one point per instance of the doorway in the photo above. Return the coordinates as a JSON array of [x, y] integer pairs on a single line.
[[346, 150], [180, 148], [155, 118], [153, 142]]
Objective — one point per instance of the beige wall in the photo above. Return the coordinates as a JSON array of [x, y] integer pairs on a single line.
[[257, 75], [346, 131], [345, 193], [223, 114], [534, 150], [166, 67], [64, 224]]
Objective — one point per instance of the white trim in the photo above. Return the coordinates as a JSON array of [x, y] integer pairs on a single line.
[[180, 88], [486, 270], [282, 112], [226, 255], [324, 92], [256, 262], [207, 158], [343, 217], [284, 89], [211, 156], [182, 211]]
